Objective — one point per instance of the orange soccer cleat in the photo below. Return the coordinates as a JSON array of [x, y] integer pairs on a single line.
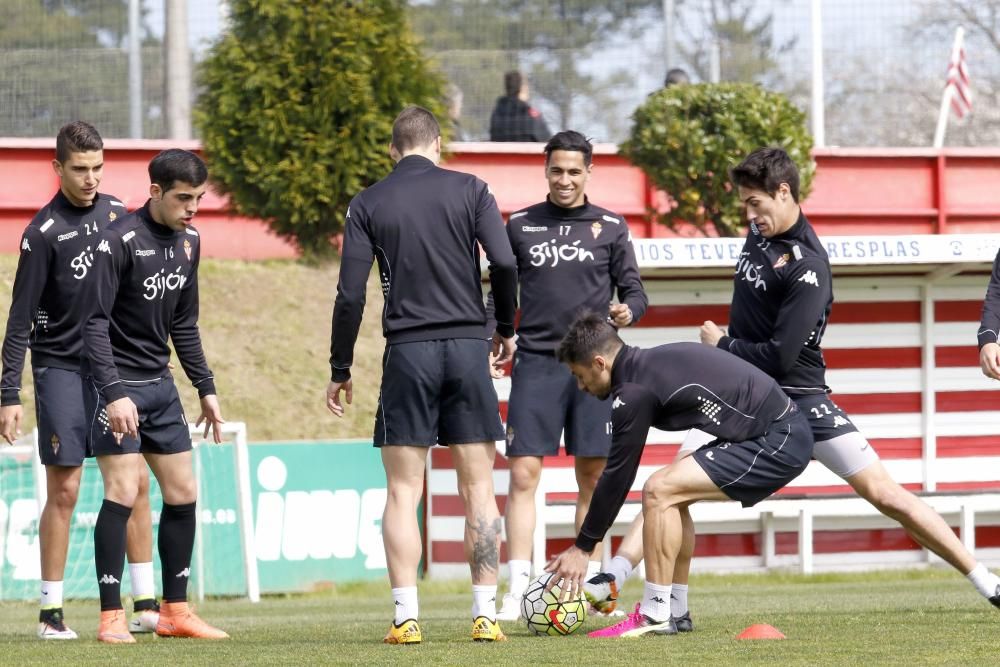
[[177, 620], [113, 628]]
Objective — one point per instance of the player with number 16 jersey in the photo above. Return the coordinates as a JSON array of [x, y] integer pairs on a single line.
[[144, 292], [148, 288]]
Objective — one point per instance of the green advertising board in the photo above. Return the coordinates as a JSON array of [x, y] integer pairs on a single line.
[[317, 511]]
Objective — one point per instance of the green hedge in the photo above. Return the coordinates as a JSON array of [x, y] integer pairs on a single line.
[[297, 108], [687, 137]]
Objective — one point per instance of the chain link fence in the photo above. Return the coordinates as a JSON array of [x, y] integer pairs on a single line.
[[589, 63]]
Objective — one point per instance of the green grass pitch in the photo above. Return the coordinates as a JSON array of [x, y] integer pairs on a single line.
[[899, 617]]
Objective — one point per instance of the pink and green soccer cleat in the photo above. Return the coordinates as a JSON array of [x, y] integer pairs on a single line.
[[637, 624]]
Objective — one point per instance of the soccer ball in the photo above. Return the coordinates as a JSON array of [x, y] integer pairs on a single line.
[[546, 615]]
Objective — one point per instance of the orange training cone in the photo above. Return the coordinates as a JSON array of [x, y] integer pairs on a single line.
[[761, 631]]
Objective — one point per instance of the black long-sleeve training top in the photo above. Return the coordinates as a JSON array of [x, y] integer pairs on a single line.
[[989, 327], [422, 224], [144, 291], [674, 387], [513, 119], [782, 296], [570, 260], [46, 308]]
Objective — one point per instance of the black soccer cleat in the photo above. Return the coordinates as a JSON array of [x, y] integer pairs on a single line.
[[995, 600], [684, 623]]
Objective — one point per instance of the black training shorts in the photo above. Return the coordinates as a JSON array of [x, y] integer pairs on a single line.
[[437, 392], [545, 401], [163, 428], [61, 398], [751, 470]]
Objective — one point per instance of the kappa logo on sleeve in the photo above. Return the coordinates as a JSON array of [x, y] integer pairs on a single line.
[[809, 277], [25, 246], [104, 246], [618, 402]]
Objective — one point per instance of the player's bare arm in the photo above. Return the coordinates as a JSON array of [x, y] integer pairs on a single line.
[[503, 351], [10, 422], [620, 314], [124, 418], [570, 568], [211, 415], [333, 396], [989, 360], [710, 333]]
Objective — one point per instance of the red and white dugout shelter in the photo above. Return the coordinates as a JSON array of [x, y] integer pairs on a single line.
[[911, 235], [903, 363]]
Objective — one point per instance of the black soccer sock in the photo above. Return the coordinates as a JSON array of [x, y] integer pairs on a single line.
[[109, 552], [176, 542], [142, 604]]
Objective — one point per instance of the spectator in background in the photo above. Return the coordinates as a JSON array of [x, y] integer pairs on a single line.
[[513, 119], [676, 76]]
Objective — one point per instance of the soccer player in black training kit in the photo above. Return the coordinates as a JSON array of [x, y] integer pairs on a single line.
[[762, 443], [145, 291], [782, 297], [989, 349], [422, 223], [989, 329], [45, 315], [572, 257]]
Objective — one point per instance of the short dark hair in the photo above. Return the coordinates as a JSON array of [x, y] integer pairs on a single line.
[[589, 335], [77, 137], [766, 169], [175, 165], [570, 140], [676, 76], [512, 81], [414, 127]]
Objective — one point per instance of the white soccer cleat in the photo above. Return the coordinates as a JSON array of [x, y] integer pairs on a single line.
[[594, 612], [143, 621], [601, 592], [51, 626], [510, 609]]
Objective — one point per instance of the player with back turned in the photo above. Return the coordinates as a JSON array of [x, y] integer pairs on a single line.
[[424, 225]]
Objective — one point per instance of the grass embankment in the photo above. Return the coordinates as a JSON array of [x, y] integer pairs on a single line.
[[266, 331]]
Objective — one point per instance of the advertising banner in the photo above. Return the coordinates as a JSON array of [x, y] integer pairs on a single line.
[[317, 512]]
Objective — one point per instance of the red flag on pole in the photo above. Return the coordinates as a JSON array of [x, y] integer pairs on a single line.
[[957, 93], [958, 79]]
